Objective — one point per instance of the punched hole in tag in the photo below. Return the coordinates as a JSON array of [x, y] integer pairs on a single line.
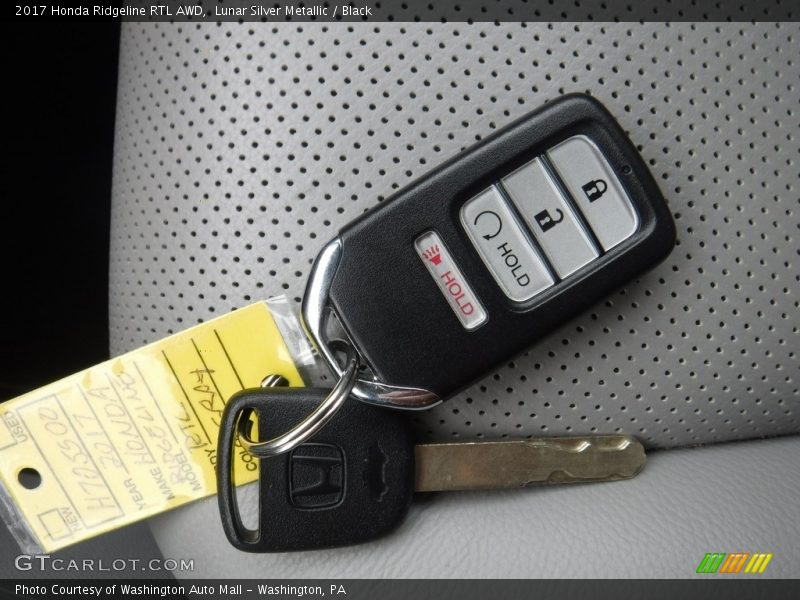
[[29, 478]]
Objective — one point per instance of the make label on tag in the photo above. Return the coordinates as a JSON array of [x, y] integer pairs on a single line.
[[136, 435]]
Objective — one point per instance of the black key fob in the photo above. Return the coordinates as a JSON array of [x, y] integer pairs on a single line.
[[350, 483], [469, 265]]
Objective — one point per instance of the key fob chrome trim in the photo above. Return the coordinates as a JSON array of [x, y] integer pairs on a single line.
[[315, 313]]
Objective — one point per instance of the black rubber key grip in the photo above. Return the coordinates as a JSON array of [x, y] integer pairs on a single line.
[[350, 483]]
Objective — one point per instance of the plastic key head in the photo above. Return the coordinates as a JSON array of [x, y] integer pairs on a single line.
[[351, 482]]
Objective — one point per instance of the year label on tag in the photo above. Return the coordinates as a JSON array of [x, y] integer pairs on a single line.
[[135, 435]]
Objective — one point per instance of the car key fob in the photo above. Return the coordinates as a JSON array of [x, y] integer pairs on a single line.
[[469, 265], [342, 487]]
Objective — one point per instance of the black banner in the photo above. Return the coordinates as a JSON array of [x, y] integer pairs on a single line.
[[416, 589], [405, 11]]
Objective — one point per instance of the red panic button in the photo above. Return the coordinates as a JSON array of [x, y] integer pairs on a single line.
[[450, 280]]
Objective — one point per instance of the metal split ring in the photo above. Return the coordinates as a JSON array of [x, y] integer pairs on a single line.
[[306, 428]]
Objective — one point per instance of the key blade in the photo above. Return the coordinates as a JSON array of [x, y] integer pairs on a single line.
[[511, 464]]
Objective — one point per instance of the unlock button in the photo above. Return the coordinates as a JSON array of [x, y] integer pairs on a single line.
[[550, 218], [596, 190]]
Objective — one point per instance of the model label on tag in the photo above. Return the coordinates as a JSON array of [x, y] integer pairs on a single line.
[[135, 435]]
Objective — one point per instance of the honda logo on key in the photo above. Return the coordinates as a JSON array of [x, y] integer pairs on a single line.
[[316, 476]]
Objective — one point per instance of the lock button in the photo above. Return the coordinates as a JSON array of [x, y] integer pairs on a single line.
[[550, 217], [596, 190]]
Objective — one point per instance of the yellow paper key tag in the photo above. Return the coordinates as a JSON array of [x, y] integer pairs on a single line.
[[137, 435]]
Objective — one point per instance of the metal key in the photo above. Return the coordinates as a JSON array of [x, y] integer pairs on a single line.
[[355, 479]]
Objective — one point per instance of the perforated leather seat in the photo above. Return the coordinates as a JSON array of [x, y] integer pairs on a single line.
[[242, 148]]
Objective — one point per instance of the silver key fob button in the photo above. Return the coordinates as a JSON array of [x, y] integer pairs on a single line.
[[505, 246], [551, 217], [596, 189]]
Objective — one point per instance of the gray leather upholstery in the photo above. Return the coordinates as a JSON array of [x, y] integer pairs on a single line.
[[728, 498], [241, 149]]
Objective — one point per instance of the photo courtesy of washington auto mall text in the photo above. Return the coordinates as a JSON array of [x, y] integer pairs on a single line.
[[193, 590]]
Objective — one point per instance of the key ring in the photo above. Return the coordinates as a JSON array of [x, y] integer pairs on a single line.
[[306, 428]]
